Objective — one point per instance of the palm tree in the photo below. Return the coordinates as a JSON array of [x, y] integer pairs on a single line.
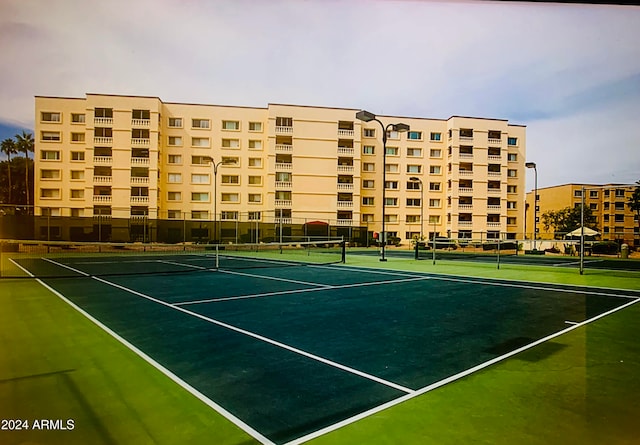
[[634, 202], [9, 148], [25, 143]]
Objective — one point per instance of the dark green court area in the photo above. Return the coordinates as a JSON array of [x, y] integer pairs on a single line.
[[292, 350]]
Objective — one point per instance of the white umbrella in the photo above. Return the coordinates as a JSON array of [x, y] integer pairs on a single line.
[[587, 232]]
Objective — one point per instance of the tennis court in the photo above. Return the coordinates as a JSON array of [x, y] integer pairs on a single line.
[[289, 353]]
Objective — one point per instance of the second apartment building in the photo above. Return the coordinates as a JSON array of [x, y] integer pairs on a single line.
[[128, 157]]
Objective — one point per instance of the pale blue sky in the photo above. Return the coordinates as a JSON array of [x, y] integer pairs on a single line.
[[570, 73]]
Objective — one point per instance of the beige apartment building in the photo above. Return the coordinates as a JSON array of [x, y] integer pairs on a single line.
[[614, 219], [129, 160]]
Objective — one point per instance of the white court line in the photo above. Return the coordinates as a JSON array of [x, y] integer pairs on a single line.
[[453, 378], [257, 336]]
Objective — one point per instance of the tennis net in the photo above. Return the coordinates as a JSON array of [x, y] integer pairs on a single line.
[[50, 259]]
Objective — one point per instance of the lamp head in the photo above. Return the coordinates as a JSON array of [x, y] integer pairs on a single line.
[[530, 164], [414, 178], [365, 116], [400, 127]]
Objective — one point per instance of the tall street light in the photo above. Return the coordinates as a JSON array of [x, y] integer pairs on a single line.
[[366, 116], [535, 201], [416, 179], [215, 190]]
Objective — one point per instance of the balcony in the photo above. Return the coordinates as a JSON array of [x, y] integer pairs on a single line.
[[345, 186], [465, 206], [103, 120], [494, 174], [284, 166], [345, 204], [102, 198], [140, 122], [465, 172], [493, 207], [139, 199], [344, 222], [494, 158], [102, 160], [465, 223], [494, 191], [345, 168], [465, 189], [495, 141], [342, 132], [138, 142], [102, 179], [287, 185], [139, 180], [346, 151], [284, 130], [139, 161], [284, 148], [283, 220], [493, 225], [283, 203], [100, 140]]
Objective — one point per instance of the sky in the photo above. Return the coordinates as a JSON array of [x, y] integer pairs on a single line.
[[569, 72]]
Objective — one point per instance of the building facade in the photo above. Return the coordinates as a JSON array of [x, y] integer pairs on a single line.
[[608, 203], [139, 158]]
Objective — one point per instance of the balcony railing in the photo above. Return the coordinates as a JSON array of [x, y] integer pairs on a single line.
[[493, 207], [345, 151], [345, 133], [465, 189], [493, 224], [140, 141], [345, 186], [284, 130], [140, 122], [465, 223], [466, 138], [491, 173], [345, 204], [284, 166], [344, 222], [495, 141], [345, 168], [99, 140], [102, 179], [281, 203], [494, 191], [139, 180], [139, 161], [103, 120], [466, 155], [284, 148], [102, 198], [102, 160], [283, 220], [465, 206], [284, 185], [465, 172], [139, 199], [494, 157]]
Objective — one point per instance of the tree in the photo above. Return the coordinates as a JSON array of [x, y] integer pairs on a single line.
[[565, 220], [634, 202], [9, 148], [25, 144]]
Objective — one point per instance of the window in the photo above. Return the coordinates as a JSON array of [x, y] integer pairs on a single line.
[[200, 196], [369, 132], [393, 185], [392, 134], [414, 152], [414, 169], [254, 216], [368, 183], [77, 193], [511, 205], [50, 136], [255, 198], [77, 118], [231, 161], [200, 123], [255, 126], [413, 202], [512, 157], [434, 203], [50, 117], [434, 186], [229, 216], [466, 132], [284, 122], [50, 193], [199, 214], [198, 178], [174, 196], [77, 137], [435, 153], [231, 125], [367, 200], [175, 122], [174, 214], [436, 137], [413, 185], [200, 142], [77, 174], [593, 194], [390, 219], [391, 168], [368, 167], [256, 180], [512, 141], [103, 132], [139, 133], [619, 193], [77, 155], [104, 113], [174, 178], [392, 151], [367, 217], [512, 173], [619, 218], [50, 155], [255, 145], [391, 201], [255, 162], [368, 149], [230, 179], [175, 159], [231, 143], [175, 141], [414, 135], [141, 114], [50, 174], [230, 197], [511, 220], [512, 189], [434, 169]]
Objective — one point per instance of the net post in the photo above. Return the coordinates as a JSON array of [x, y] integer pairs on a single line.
[[217, 257], [415, 253], [343, 251], [498, 251]]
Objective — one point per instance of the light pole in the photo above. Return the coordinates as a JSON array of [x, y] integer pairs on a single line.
[[416, 179], [366, 116], [535, 201], [215, 191]]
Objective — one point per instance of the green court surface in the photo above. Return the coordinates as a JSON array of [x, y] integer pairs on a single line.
[[367, 352]]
